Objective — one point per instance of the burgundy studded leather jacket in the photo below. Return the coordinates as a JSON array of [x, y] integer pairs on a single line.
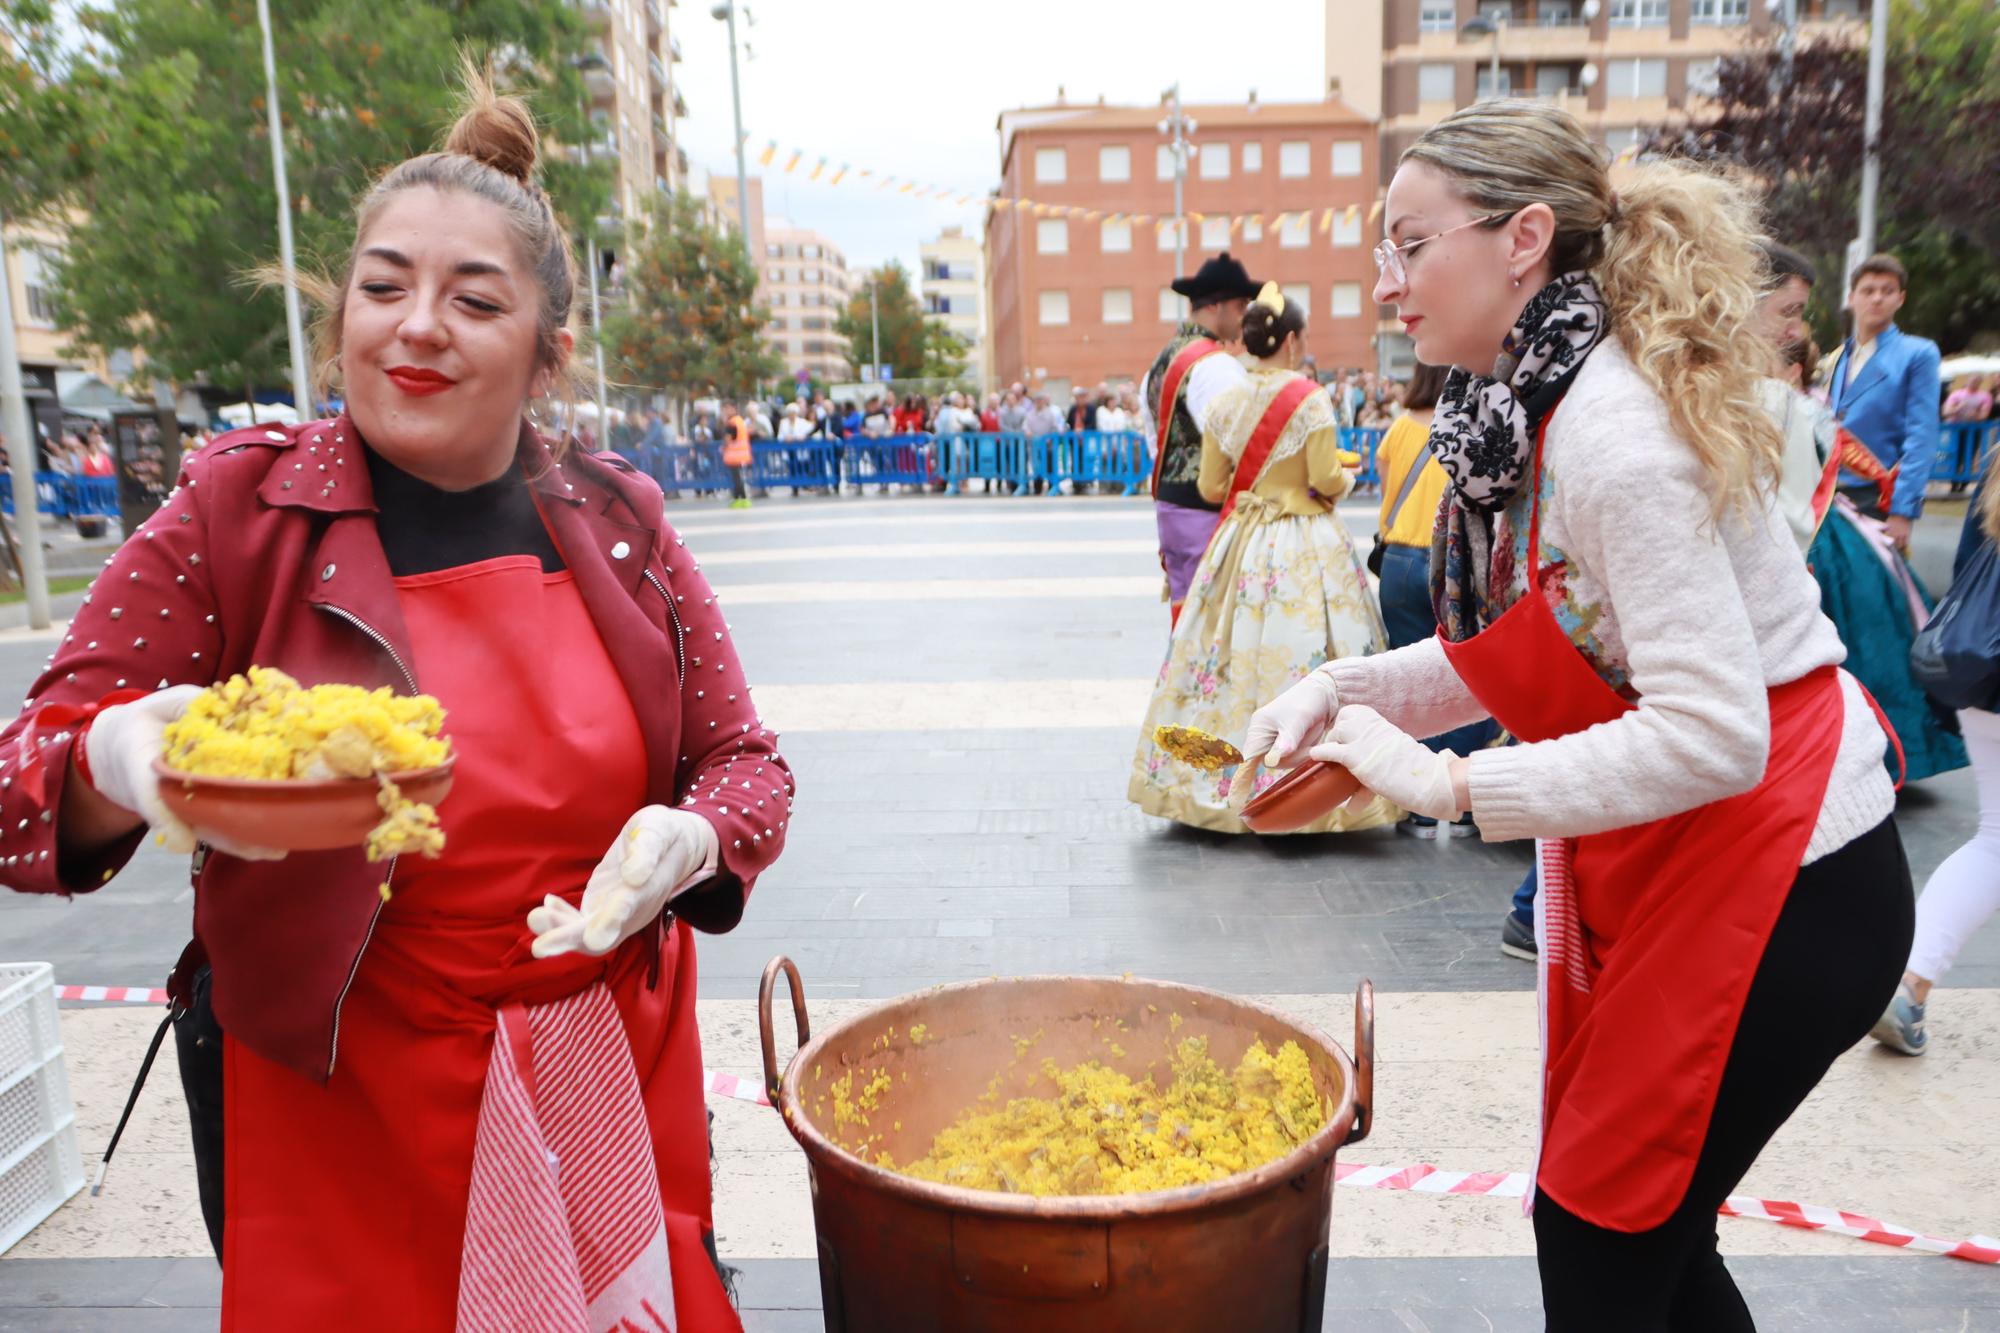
[[267, 553]]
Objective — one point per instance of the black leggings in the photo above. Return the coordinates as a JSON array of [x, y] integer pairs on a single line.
[[1832, 963]]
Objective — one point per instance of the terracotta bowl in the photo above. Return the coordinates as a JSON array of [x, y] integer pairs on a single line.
[[291, 816], [1307, 793]]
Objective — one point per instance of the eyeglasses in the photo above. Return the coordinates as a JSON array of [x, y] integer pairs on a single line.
[[1389, 255]]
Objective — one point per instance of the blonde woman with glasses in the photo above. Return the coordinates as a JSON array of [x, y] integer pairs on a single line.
[[1725, 906]]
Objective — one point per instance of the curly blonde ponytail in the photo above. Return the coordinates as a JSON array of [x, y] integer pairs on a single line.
[[1674, 250]]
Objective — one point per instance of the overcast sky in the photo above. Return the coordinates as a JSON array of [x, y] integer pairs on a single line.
[[912, 88]]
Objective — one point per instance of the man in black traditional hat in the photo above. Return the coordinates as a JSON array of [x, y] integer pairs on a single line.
[[1190, 372]]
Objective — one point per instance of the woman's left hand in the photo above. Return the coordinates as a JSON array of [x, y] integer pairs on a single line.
[[658, 854], [1389, 762]]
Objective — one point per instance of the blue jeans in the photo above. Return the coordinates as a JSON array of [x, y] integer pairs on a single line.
[[1409, 617], [1524, 897]]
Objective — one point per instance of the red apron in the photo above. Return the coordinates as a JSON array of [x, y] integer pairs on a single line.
[[1649, 935], [346, 1203]]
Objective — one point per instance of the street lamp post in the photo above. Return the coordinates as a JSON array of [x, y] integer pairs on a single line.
[[726, 11], [21, 451], [1871, 164], [1487, 25], [875, 323], [301, 388], [1178, 127]]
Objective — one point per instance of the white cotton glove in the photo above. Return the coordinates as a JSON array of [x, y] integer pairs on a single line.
[[120, 747], [1283, 729], [660, 853], [1391, 763]]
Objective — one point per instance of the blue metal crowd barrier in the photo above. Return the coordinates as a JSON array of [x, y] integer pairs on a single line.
[[1096, 458], [988, 456], [60, 495], [1366, 441], [1962, 450]]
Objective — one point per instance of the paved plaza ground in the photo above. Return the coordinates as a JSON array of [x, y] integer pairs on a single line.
[[958, 683]]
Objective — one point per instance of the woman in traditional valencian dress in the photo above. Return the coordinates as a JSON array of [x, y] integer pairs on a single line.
[[1280, 589]]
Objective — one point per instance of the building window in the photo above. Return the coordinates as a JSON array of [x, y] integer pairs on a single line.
[[1293, 231], [1173, 306], [1117, 305], [35, 286], [1346, 300], [1620, 140], [1294, 160], [774, 273], [811, 274], [1170, 235], [1114, 238], [811, 252], [1114, 163], [1301, 294], [1051, 166], [1551, 80], [1437, 17], [1253, 230], [1722, 11], [1347, 157], [1639, 13], [1484, 87], [1253, 157], [773, 251], [1346, 229], [1636, 78], [1215, 161], [1054, 308], [1052, 237], [1497, 11], [1437, 83], [1214, 233], [1704, 77], [1554, 13], [1163, 162]]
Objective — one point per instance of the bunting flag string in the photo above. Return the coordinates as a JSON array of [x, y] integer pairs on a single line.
[[821, 170]]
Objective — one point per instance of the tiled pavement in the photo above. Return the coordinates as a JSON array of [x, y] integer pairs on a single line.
[[958, 683]]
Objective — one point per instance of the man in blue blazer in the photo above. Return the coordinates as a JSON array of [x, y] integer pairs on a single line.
[[1885, 390]]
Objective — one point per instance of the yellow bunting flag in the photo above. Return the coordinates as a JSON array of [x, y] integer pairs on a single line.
[[792, 162], [817, 168], [1374, 211], [1235, 225], [1325, 221], [838, 174], [887, 181], [1353, 212], [907, 187], [770, 151]]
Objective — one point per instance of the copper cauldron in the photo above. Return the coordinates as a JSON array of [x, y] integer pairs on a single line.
[[1246, 1254]]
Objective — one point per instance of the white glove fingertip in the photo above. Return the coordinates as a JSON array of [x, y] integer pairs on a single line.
[[643, 846], [563, 939]]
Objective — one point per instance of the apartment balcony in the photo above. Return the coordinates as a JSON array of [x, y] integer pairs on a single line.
[[681, 162], [662, 140], [598, 81], [680, 106], [674, 49], [658, 71], [596, 13], [655, 20]]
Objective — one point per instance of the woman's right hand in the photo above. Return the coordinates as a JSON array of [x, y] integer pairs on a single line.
[[120, 747], [1283, 730]]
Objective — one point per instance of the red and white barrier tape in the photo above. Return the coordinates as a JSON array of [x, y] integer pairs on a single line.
[[1419, 1178]]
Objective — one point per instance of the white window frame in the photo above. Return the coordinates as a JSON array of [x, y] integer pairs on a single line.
[[1051, 166], [1213, 160], [1215, 233], [1253, 231], [1347, 159], [1429, 74], [1052, 307], [1346, 229], [1253, 157], [1335, 302], [1114, 162], [1437, 16], [1720, 13], [1482, 83], [1294, 160], [1110, 302], [1296, 233], [1173, 306], [1631, 72], [1163, 162], [1639, 13], [1051, 236], [1114, 236], [1167, 235], [1300, 292], [1703, 77]]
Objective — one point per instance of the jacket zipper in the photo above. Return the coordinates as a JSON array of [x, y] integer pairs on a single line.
[[409, 678], [680, 633]]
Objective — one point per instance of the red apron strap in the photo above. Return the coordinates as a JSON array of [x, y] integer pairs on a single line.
[[1264, 438], [1170, 396]]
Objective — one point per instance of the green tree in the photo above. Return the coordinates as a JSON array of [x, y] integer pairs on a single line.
[[176, 170], [40, 118], [1795, 124], [914, 346], [693, 323]]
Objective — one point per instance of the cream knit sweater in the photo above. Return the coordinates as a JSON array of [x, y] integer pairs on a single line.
[[1699, 617]]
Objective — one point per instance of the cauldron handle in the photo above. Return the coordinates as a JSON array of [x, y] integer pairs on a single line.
[[764, 989], [1364, 1062]]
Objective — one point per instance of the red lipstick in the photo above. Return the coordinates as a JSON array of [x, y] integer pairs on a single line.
[[419, 382]]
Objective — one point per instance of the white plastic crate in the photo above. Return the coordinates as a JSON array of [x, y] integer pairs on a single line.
[[40, 1166]]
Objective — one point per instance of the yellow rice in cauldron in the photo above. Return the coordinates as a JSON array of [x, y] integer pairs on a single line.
[[266, 726], [1104, 1132]]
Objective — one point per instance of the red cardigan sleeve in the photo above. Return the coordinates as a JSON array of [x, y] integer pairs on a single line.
[[730, 771], [149, 621]]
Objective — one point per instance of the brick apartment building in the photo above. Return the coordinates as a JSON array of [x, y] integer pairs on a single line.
[[1081, 298]]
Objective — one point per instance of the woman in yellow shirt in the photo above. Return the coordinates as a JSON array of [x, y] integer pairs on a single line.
[[1407, 520], [1280, 589]]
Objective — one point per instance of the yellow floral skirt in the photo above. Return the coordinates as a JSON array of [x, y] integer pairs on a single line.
[[1274, 596]]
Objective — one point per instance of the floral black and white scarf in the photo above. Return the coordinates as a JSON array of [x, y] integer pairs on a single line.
[[1484, 435]]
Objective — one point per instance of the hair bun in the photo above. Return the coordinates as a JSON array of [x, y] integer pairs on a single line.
[[498, 131]]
